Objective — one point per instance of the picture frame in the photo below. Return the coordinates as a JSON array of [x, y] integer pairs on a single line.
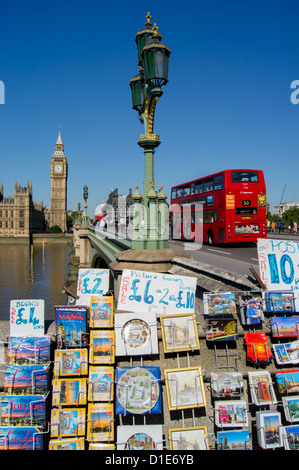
[[140, 437], [179, 333], [70, 362], [100, 383], [101, 311], [185, 388], [136, 334], [189, 438], [100, 422], [231, 414], [261, 388], [102, 347]]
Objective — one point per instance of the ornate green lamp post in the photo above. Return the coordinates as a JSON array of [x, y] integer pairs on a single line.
[[153, 61], [85, 197]]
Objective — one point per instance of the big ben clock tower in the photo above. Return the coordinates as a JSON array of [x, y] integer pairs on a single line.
[[58, 186]]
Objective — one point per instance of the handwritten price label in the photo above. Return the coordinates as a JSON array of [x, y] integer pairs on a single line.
[[27, 317], [91, 282], [142, 291]]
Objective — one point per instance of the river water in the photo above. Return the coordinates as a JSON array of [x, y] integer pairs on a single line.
[[36, 272]]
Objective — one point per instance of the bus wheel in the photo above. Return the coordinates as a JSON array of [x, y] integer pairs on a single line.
[[210, 238]]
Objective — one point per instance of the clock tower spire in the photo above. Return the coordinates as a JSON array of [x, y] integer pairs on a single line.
[[59, 172]]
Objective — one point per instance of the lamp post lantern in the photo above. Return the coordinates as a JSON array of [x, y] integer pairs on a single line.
[[85, 197], [153, 62]]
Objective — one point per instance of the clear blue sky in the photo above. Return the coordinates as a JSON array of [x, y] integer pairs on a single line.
[[227, 103]]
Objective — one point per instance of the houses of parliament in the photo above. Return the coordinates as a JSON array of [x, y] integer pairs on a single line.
[[20, 216]]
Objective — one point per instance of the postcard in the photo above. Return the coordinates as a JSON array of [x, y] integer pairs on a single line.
[[101, 446], [69, 392], [226, 384], [234, 440], [261, 388], [268, 425], [71, 326], [23, 410], [286, 353], [219, 303], [231, 414], [100, 422], [138, 390], [101, 311], [136, 334], [21, 438], [291, 408], [102, 347], [194, 438], [290, 437], [185, 388], [179, 333], [280, 302], [70, 362], [287, 381], [101, 383], [26, 350], [68, 422], [76, 443], [221, 329], [284, 327], [251, 308], [26, 380], [140, 437]]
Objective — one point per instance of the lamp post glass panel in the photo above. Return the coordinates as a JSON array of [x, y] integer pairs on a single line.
[[85, 197], [153, 62]]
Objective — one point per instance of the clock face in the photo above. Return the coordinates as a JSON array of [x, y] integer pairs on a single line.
[[58, 168]]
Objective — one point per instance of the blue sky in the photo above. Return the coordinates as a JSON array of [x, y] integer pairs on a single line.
[[226, 105]]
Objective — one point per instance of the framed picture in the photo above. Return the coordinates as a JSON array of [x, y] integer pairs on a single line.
[[261, 388], [146, 437], [101, 383], [179, 333], [194, 438], [226, 384], [100, 422], [69, 392], [102, 347], [138, 390], [268, 425], [287, 381], [68, 422], [69, 362], [185, 388], [136, 334], [251, 308], [101, 311], [231, 414], [233, 440], [221, 329], [285, 327], [223, 303], [291, 408]]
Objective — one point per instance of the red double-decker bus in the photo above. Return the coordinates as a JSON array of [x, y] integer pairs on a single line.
[[233, 203]]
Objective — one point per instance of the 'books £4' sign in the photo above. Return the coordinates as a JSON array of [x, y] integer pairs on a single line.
[[27, 317]]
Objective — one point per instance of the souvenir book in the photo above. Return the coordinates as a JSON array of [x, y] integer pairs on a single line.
[[101, 446], [100, 422], [231, 414], [26, 350], [287, 381], [291, 408], [219, 304], [102, 347], [101, 311], [23, 410], [261, 388], [70, 362], [226, 384], [141, 437], [179, 333], [285, 327], [194, 438], [101, 383], [234, 440], [68, 422], [27, 317], [280, 302], [251, 308], [138, 390], [69, 392], [221, 329], [290, 437], [71, 326], [75, 443], [185, 388], [268, 424], [21, 438], [91, 281], [26, 380], [136, 334], [286, 353]]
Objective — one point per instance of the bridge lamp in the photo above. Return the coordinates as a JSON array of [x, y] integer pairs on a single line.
[[85, 197]]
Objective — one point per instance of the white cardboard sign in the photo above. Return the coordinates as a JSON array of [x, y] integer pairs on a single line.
[[91, 281], [27, 317]]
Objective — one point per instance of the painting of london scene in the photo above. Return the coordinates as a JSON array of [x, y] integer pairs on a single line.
[[179, 332]]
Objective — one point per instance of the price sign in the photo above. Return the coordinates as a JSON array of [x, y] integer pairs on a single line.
[[279, 263], [91, 282], [142, 291], [27, 317]]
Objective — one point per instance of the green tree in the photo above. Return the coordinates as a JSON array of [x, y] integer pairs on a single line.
[[291, 214], [55, 229]]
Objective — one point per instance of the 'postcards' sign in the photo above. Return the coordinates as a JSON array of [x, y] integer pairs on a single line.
[[27, 317], [142, 291]]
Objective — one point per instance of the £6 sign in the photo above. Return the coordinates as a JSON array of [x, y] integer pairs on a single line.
[[279, 263]]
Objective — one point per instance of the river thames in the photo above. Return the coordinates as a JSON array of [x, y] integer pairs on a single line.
[[36, 272]]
